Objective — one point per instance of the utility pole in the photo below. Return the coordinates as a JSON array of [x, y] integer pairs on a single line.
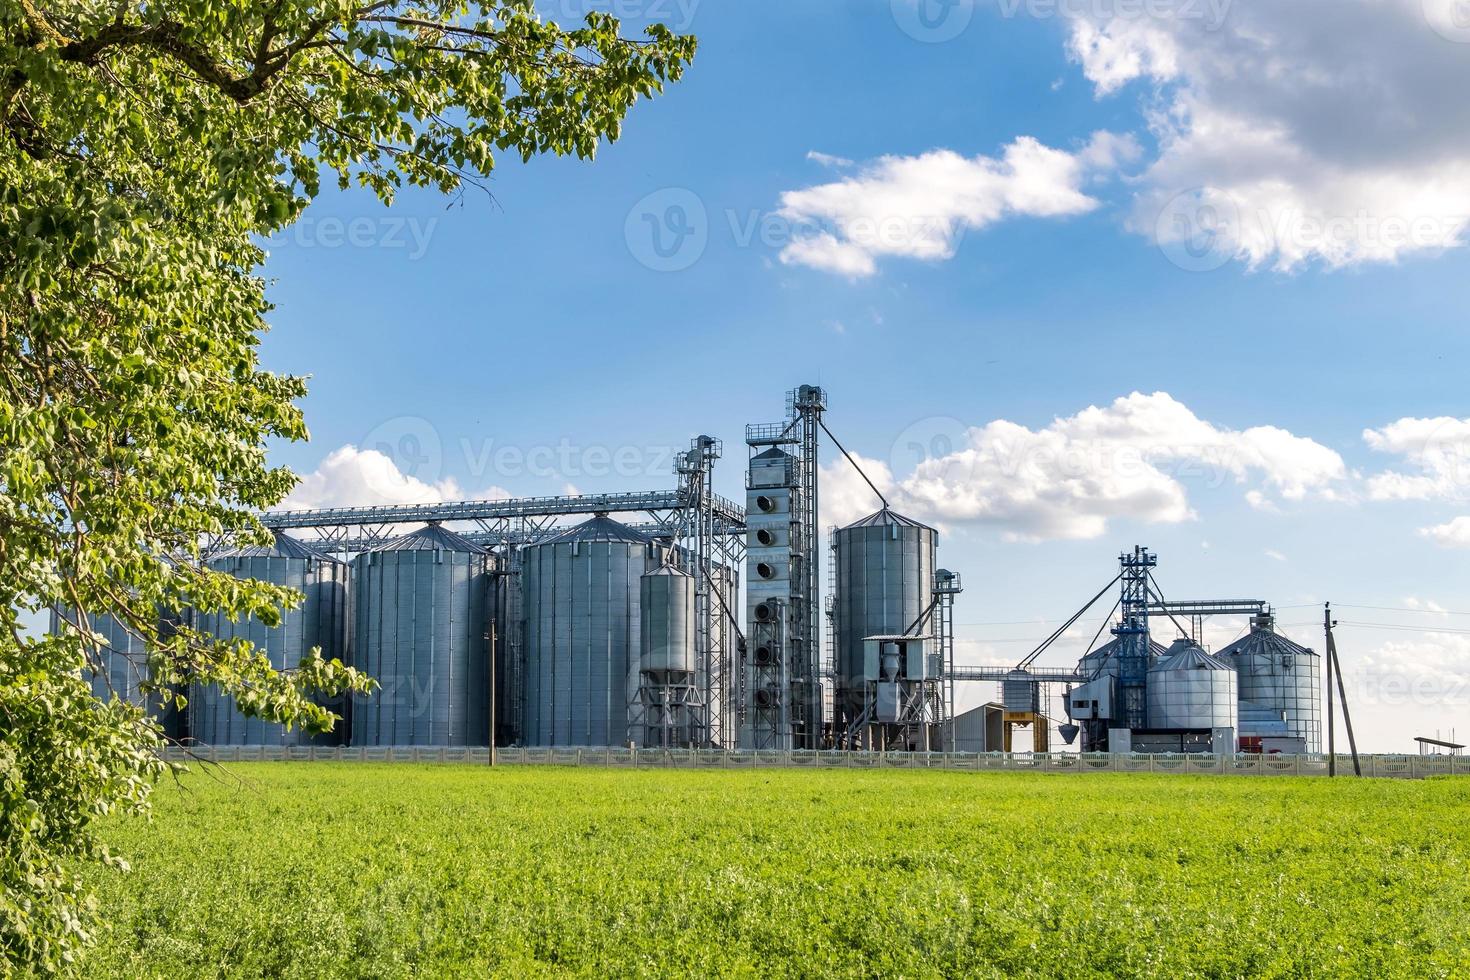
[[1331, 724], [1334, 667]]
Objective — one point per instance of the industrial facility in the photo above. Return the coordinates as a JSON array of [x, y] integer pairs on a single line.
[[678, 618]]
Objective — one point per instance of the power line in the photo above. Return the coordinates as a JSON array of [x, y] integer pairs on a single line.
[[1403, 609], [1384, 626]]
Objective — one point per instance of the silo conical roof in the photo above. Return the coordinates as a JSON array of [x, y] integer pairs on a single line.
[[669, 568], [1110, 648], [599, 528], [1187, 655], [284, 546], [886, 517], [1263, 640], [432, 538]]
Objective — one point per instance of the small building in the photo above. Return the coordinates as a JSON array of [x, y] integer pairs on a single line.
[[985, 729], [980, 729]]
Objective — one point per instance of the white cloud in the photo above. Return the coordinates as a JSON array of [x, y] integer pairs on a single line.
[[1275, 555], [1455, 534], [1426, 605], [352, 477], [917, 207], [1131, 459], [828, 160], [1261, 502], [846, 496], [1438, 449], [1436, 454], [1328, 131], [1431, 670]]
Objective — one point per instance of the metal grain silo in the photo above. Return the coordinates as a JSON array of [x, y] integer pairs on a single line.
[[1190, 690], [666, 611], [119, 668], [423, 608], [581, 602], [322, 620], [1104, 659], [885, 582], [1284, 676], [668, 707]]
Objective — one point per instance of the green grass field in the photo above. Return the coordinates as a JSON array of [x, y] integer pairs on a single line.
[[323, 870]]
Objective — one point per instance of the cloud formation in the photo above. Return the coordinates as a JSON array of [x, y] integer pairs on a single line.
[[1327, 131], [1134, 458], [352, 477], [918, 207]]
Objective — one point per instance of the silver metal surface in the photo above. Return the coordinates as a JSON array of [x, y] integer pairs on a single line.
[[885, 582], [667, 627], [121, 667], [124, 662], [1275, 672], [1104, 659], [320, 621], [423, 605], [1189, 689], [668, 709], [1019, 692], [582, 633]]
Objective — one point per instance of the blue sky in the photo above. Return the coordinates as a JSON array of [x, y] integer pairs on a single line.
[[530, 317]]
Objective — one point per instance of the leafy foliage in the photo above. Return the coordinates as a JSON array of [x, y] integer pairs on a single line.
[[145, 150], [421, 871]]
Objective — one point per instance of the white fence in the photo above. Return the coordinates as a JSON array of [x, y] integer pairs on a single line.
[[1389, 766]]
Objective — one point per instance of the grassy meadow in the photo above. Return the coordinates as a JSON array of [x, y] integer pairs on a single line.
[[358, 870]]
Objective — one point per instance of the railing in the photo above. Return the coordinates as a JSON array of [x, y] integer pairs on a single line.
[[495, 509], [1382, 766]]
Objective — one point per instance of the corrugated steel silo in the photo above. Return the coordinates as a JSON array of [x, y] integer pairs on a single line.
[[885, 581], [1285, 676], [666, 609], [581, 602], [322, 620], [423, 607], [121, 667], [1104, 659], [669, 708], [1189, 689]]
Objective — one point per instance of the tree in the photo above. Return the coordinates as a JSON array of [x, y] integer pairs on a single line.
[[146, 148]]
